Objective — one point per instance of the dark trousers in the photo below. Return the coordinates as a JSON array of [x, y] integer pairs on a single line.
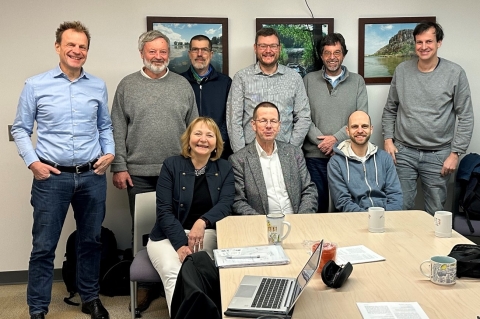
[[317, 167]]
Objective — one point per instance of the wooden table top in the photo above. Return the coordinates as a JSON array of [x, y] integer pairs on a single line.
[[408, 240]]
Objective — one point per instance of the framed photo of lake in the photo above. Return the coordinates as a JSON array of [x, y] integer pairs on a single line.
[[299, 38], [383, 43], [181, 30]]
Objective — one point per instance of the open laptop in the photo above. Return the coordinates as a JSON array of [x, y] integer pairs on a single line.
[[258, 295]]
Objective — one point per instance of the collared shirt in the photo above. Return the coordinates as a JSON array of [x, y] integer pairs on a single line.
[[334, 80], [278, 200], [73, 123], [148, 77], [284, 88]]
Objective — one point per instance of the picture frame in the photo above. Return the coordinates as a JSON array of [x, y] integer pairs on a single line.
[[181, 29], [383, 43], [299, 38]]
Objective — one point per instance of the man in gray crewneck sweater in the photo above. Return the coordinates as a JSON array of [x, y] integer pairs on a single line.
[[151, 110], [427, 96], [334, 93]]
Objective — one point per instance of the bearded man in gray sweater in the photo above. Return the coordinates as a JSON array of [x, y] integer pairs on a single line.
[[151, 110], [333, 93], [427, 96]]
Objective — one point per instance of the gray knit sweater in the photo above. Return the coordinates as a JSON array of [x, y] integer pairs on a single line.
[[421, 107], [148, 117], [330, 111]]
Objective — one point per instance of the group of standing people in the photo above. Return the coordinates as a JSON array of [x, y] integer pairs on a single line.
[[260, 122]]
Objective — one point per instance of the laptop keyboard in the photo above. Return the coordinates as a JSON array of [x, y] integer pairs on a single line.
[[270, 293]]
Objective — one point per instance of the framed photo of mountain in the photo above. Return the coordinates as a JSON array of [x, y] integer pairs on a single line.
[[383, 43], [181, 29], [299, 38]]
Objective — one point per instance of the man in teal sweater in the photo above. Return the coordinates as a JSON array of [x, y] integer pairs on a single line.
[[334, 93], [427, 96]]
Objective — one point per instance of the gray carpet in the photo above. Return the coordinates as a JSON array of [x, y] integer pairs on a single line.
[[13, 305]]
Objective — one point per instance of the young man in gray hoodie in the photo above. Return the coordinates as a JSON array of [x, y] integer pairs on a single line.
[[359, 174]]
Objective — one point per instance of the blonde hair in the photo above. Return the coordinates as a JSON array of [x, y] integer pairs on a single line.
[[185, 139]]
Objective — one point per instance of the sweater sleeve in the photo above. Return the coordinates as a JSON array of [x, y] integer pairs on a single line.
[[119, 123], [462, 103], [389, 115], [301, 114]]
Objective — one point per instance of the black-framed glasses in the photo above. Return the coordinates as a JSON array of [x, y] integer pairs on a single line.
[[264, 122], [197, 50]]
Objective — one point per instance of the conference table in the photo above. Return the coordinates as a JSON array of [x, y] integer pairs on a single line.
[[408, 240]]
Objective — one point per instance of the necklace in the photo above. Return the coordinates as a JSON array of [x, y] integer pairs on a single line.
[[200, 171]]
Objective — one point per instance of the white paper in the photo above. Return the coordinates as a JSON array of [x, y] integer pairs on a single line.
[[242, 257], [356, 255], [391, 310]]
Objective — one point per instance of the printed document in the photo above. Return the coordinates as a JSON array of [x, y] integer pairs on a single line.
[[391, 310], [356, 255], [250, 256]]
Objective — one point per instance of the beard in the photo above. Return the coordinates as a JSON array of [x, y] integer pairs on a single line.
[[365, 141], [154, 68]]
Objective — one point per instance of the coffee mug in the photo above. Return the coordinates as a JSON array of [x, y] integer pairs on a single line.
[[443, 224], [443, 270], [376, 219], [275, 224]]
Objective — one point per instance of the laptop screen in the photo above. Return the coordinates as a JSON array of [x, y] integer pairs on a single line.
[[308, 271]]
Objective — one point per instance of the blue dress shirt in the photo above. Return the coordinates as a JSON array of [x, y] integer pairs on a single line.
[[73, 123]]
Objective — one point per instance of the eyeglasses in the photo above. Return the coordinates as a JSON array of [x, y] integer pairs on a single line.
[[273, 47], [197, 50], [264, 122], [327, 54]]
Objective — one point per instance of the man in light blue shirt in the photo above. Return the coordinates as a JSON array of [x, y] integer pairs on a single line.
[[74, 148]]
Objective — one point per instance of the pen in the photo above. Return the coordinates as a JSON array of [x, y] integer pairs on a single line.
[[243, 256]]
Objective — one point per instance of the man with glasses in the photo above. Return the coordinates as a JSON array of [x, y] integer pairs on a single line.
[[334, 93], [211, 87], [267, 80], [151, 110], [271, 176]]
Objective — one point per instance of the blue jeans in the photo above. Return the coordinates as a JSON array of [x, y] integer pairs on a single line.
[[317, 167], [412, 164], [50, 199]]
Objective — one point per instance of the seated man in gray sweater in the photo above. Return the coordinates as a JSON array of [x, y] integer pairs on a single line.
[[359, 174]]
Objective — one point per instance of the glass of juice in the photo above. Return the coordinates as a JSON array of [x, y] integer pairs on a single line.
[[329, 252]]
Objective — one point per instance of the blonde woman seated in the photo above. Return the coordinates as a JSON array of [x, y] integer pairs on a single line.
[[194, 191]]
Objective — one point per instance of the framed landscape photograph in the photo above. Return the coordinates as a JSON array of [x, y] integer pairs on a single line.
[[299, 38], [181, 30], [383, 43]]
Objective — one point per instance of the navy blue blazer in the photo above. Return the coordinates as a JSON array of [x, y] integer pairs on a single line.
[[175, 194]]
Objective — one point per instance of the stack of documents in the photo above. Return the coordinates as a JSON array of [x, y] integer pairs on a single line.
[[250, 256]]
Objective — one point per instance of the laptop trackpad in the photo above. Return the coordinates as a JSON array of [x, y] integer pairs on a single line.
[[246, 291]]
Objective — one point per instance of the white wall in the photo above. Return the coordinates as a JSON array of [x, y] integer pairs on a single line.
[[27, 31]]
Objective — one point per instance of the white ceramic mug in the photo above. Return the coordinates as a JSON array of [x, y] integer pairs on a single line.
[[275, 225], [442, 221], [443, 270], [376, 219]]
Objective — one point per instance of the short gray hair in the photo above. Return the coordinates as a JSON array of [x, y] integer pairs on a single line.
[[149, 36]]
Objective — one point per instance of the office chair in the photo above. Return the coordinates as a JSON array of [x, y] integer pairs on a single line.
[[142, 269]]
